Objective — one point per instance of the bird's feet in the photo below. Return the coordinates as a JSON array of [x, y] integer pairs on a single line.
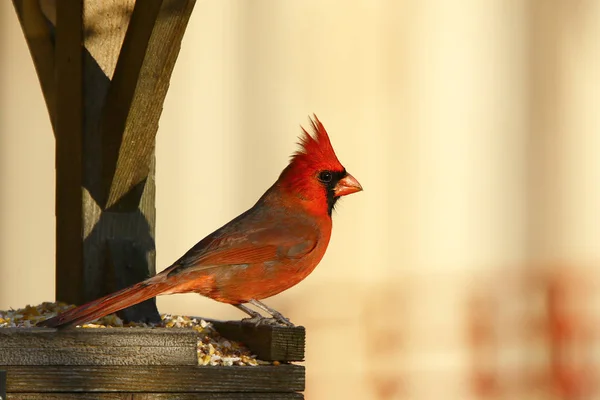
[[257, 319], [279, 318], [273, 321]]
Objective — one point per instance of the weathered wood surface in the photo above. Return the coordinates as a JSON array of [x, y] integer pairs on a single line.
[[157, 396], [141, 346], [104, 68], [269, 343], [158, 379], [137, 92], [218, 396], [111, 346]]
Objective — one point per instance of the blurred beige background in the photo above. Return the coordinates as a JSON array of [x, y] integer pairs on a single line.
[[467, 269]]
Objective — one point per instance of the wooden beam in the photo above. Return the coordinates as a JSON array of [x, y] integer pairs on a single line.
[[69, 135], [39, 34], [268, 342], [118, 346], [220, 396], [161, 379], [136, 95], [105, 268], [159, 396], [123, 105]]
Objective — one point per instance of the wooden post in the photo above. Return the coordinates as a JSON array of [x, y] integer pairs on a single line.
[[104, 67], [69, 136]]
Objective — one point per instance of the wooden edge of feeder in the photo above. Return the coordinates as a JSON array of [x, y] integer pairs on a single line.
[[158, 379], [268, 342], [162, 346], [160, 396], [115, 346]]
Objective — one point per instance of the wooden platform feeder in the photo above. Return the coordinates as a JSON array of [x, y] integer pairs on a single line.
[[138, 363], [104, 67]]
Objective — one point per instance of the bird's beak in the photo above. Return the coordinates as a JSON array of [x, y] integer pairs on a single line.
[[347, 185]]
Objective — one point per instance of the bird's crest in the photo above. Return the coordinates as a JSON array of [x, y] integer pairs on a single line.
[[316, 149]]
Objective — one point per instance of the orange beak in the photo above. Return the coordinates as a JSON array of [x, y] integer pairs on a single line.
[[347, 185]]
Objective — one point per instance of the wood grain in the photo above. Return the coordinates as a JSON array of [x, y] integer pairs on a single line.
[[70, 396], [114, 337], [106, 22], [114, 346], [157, 396], [137, 92], [218, 396], [99, 356], [269, 343], [159, 379]]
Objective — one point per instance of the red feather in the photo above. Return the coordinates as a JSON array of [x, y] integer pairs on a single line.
[[316, 149]]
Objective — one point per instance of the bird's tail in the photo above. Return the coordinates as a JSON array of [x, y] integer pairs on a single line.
[[109, 304]]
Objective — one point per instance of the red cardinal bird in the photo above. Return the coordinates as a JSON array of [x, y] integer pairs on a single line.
[[264, 251]]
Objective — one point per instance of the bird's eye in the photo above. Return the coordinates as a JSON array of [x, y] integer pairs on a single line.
[[325, 176]]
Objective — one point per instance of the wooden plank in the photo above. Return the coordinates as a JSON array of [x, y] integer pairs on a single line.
[[69, 133], [106, 22], [160, 379], [136, 96], [99, 356], [269, 343], [70, 396], [157, 396], [111, 346], [115, 337], [39, 36], [218, 396]]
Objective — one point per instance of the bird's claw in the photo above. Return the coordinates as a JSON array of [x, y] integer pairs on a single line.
[[276, 320], [282, 320], [256, 320]]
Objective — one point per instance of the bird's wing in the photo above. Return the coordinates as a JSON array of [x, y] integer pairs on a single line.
[[253, 237]]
